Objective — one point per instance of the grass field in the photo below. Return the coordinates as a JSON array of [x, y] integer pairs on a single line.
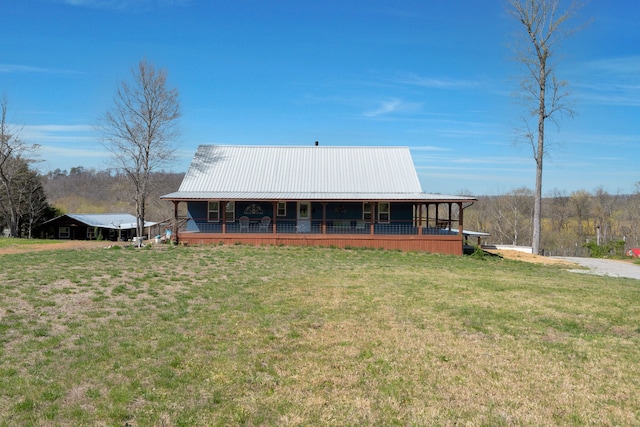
[[4, 243], [242, 335]]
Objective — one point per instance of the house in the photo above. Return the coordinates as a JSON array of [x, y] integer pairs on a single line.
[[312, 195], [94, 226]]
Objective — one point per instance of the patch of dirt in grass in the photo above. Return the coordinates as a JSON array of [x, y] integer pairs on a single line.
[[526, 257], [68, 244]]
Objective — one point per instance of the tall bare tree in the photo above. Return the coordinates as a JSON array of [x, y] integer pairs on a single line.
[[12, 148], [544, 28], [140, 129]]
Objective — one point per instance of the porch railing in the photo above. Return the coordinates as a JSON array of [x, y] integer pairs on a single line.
[[318, 227]]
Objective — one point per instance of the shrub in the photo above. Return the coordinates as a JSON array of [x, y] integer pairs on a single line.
[[612, 248]]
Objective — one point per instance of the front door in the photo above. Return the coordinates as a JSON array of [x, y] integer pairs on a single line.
[[304, 217]]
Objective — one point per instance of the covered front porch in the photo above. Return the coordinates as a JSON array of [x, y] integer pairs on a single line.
[[408, 225]]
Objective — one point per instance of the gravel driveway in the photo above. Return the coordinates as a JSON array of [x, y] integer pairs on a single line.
[[605, 267]]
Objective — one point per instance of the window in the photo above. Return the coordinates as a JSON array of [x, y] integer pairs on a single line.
[[63, 233], [213, 212], [303, 210], [282, 208], [366, 211], [383, 211], [230, 212], [91, 233]]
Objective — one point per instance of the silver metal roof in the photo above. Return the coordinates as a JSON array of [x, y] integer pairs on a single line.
[[112, 221], [302, 173]]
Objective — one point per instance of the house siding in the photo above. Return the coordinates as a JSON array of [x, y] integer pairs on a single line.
[[197, 211]]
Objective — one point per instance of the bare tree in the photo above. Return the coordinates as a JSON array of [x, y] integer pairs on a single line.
[[580, 202], [141, 128], [631, 218], [544, 23], [559, 210], [33, 200], [603, 210], [512, 213], [11, 150]]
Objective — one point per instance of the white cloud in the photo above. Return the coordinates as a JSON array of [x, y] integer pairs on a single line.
[[78, 154], [125, 4], [385, 107], [65, 146], [17, 68], [391, 106], [436, 83], [429, 148], [617, 81], [66, 133]]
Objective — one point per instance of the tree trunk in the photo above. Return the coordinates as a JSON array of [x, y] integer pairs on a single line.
[[539, 157]]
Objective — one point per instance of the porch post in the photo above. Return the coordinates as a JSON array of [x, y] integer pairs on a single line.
[[324, 217], [419, 219], [450, 216], [426, 215], [175, 221], [374, 209], [222, 214], [460, 224], [275, 215], [437, 215]]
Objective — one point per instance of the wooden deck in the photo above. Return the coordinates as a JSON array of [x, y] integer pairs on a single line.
[[447, 244]]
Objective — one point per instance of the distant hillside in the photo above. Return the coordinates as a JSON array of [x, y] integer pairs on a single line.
[[83, 190]]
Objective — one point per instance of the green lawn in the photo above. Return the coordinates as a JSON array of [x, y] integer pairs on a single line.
[[242, 335]]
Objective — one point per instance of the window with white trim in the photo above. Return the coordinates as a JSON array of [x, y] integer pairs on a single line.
[[366, 211], [384, 211], [64, 233], [230, 212], [282, 208], [213, 211]]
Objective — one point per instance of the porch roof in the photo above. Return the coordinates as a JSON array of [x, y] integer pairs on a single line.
[[314, 196]]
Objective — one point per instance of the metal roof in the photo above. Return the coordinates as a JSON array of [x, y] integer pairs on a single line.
[[112, 221], [226, 172]]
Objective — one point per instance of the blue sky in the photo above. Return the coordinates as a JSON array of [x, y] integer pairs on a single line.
[[436, 76]]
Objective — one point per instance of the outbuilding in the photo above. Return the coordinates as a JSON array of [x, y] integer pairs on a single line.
[[113, 226]]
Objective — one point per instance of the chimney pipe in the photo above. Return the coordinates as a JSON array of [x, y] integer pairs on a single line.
[[316, 143]]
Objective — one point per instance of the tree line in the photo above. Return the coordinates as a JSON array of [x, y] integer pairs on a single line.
[[580, 223], [81, 190], [22, 200]]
